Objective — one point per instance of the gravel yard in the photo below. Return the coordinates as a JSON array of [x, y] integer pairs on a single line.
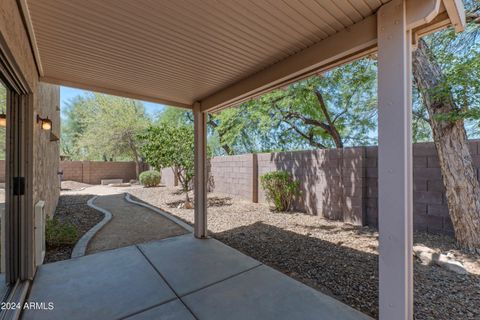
[[338, 259], [73, 209], [73, 186]]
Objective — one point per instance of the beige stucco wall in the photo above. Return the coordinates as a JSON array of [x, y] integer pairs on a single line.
[[16, 39], [46, 157], [43, 158]]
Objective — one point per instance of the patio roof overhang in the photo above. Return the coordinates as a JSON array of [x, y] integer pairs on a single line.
[[215, 53], [211, 55]]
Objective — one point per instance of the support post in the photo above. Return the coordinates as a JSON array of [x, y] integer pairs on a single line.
[[200, 180], [395, 162]]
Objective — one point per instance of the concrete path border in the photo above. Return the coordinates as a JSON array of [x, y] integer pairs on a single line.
[[81, 245], [161, 212]]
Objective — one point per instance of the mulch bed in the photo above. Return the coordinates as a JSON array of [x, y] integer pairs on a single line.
[[335, 258], [73, 209]]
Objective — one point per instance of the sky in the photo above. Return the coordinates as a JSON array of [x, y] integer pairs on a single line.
[[67, 93]]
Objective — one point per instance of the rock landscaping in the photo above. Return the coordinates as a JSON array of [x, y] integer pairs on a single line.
[[72, 209], [338, 259], [73, 186]]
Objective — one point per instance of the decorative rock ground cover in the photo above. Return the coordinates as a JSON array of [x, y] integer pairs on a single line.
[[73, 209], [335, 258]]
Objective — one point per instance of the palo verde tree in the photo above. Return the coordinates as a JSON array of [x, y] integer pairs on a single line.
[[165, 145]]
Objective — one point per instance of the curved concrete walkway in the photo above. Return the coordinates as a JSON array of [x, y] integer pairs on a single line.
[[130, 224]]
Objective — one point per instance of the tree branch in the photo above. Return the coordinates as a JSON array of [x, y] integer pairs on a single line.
[[332, 129]]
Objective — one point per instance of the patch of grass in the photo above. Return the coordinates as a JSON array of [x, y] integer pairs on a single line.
[[59, 234]]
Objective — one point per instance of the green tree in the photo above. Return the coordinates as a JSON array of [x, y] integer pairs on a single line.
[[175, 117], [100, 126], [74, 122], [331, 110], [182, 117], [165, 145]]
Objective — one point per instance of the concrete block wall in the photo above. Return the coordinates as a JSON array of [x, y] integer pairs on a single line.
[[234, 175], [430, 210], [92, 172], [331, 181], [72, 170], [341, 184]]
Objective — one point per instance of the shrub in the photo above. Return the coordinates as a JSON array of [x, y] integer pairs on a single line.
[[280, 188], [150, 178], [60, 234]]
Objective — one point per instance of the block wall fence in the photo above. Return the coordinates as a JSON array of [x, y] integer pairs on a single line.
[[340, 184], [92, 172]]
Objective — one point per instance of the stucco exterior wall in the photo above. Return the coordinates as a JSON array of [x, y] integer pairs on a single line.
[[15, 38], [46, 156], [43, 156]]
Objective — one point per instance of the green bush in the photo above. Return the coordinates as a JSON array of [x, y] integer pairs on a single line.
[[280, 188], [60, 234], [150, 178]]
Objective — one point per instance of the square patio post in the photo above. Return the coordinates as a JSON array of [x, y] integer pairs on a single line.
[[395, 162], [200, 180]]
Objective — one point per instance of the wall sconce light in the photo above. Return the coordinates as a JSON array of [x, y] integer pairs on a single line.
[[3, 120], [45, 123]]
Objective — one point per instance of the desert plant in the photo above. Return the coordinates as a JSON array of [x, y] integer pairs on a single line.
[[280, 189], [60, 233], [150, 178]]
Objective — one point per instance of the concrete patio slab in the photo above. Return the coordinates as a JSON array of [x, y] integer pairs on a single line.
[[3, 286], [214, 282], [189, 264], [264, 293], [174, 310], [107, 285]]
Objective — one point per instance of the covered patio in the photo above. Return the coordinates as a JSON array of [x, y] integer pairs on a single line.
[[177, 278], [207, 56]]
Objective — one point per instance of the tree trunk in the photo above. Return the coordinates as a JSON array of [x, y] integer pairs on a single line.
[[136, 158], [459, 176]]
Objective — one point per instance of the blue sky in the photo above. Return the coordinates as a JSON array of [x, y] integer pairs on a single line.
[[67, 93]]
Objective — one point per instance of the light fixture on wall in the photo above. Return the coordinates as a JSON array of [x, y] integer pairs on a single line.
[[3, 119], [45, 123]]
